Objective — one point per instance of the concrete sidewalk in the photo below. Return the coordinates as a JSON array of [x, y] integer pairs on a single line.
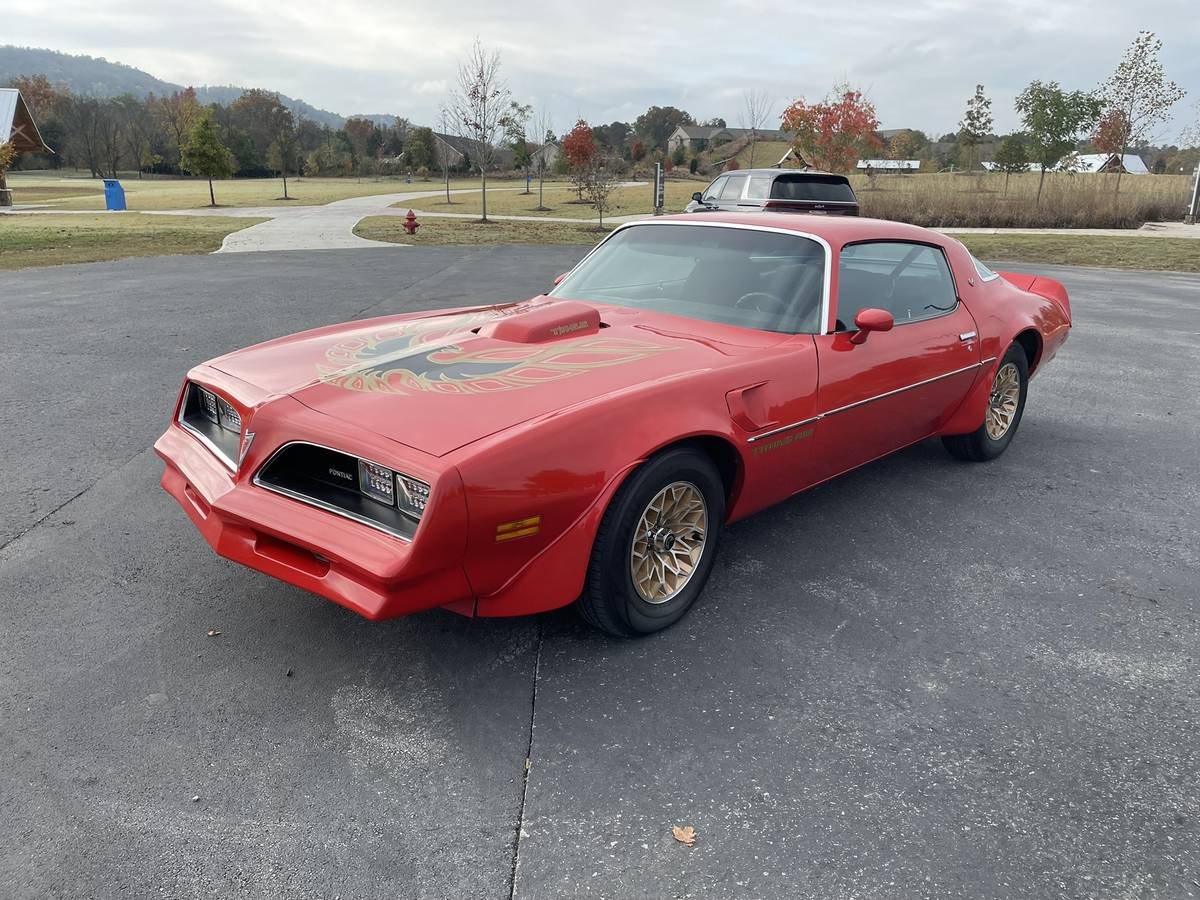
[[331, 226]]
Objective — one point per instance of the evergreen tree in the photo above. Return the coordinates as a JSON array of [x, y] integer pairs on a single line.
[[204, 154]]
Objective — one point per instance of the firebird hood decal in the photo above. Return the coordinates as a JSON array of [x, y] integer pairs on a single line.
[[407, 357], [439, 382]]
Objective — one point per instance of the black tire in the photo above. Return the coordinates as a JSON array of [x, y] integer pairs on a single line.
[[610, 600], [979, 446]]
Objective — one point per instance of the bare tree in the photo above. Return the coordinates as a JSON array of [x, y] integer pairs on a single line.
[[478, 106], [599, 179], [541, 122], [442, 153], [80, 117], [283, 153], [756, 106], [1140, 93], [1190, 136]]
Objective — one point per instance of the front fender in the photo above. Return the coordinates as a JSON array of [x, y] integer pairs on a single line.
[[563, 471]]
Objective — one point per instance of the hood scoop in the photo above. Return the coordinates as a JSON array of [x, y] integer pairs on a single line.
[[540, 323]]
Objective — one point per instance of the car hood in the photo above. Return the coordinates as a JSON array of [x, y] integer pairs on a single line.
[[439, 381]]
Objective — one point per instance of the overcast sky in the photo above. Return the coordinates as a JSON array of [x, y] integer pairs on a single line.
[[918, 60]]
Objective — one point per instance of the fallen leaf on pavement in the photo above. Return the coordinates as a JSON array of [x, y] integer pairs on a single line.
[[685, 835], [212, 632]]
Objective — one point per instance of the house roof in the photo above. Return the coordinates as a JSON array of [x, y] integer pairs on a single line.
[[906, 165], [501, 156], [708, 132], [1094, 162], [17, 125], [989, 166]]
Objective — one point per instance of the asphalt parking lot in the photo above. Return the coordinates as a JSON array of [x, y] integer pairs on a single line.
[[926, 679]]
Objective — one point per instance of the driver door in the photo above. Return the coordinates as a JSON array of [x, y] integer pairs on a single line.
[[898, 386]]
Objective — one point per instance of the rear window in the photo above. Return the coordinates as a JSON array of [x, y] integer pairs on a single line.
[[800, 187]]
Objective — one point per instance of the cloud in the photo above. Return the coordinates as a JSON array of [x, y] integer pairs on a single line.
[[918, 60]]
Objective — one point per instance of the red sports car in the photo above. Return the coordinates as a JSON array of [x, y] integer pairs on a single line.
[[588, 445]]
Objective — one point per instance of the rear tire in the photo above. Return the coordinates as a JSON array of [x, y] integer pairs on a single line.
[[655, 546], [1006, 404]]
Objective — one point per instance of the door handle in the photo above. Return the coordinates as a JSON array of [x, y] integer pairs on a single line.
[[967, 336]]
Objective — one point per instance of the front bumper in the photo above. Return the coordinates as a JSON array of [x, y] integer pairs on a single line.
[[375, 575]]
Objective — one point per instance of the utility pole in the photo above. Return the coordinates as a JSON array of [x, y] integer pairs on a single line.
[[1193, 216]]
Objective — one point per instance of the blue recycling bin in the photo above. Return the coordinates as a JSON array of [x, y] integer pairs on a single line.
[[114, 194]]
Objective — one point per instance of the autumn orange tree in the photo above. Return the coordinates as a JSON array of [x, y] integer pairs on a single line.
[[579, 147], [1109, 136], [836, 132]]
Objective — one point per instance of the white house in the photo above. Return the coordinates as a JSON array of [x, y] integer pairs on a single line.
[[545, 155], [1092, 163], [699, 137]]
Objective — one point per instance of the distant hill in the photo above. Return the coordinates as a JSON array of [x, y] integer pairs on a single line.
[[97, 77]]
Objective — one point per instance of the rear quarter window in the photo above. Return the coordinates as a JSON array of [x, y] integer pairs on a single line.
[[985, 273]]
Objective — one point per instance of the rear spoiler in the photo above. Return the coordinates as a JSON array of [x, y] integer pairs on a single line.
[[1044, 287]]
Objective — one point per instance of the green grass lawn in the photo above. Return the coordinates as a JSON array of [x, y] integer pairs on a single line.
[[468, 231], [50, 240], [189, 193], [560, 199], [1165, 254], [38, 193], [1154, 253], [766, 154]]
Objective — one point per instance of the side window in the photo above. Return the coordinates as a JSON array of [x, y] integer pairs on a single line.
[[760, 187], [733, 187], [713, 191], [911, 281]]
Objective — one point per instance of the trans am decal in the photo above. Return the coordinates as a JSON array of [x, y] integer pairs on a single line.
[[426, 355]]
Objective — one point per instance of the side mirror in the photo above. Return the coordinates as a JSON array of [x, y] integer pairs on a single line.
[[869, 320], [698, 197], [558, 280]]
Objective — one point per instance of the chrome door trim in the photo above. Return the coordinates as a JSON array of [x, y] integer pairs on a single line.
[[856, 404]]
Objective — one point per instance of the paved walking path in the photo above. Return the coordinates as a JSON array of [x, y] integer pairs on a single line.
[[331, 226]]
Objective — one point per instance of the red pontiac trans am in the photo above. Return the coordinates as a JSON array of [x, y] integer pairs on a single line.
[[587, 446]]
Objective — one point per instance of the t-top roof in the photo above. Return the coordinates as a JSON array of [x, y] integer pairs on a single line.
[[16, 124]]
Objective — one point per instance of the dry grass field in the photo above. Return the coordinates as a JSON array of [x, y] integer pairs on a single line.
[[1068, 201]]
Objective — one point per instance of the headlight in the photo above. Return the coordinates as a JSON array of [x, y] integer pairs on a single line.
[[377, 482], [208, 404], [231, 419], [413, 495]]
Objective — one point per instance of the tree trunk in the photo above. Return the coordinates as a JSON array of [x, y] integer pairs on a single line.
[[446, 179], [1041, 181], [541, 184], [483, 182], [285, 193], [212, 198], [1120, 169], [1006, 174]]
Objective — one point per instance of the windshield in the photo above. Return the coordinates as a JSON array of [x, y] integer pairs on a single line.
[[766, 280]]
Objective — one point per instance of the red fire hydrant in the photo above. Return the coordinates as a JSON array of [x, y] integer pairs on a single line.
[[410, 222]]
